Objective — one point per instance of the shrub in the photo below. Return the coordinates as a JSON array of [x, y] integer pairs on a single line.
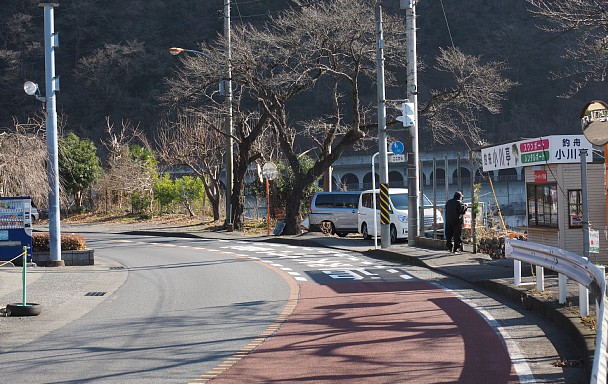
[[69, 242]]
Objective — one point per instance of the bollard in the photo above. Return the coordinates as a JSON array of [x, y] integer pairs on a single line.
[[598, 299], [516, 272], [540, 278], [583, 300], [24, 276], [563, 288]]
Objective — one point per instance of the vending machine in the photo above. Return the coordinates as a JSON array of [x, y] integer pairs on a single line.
[[15, 227]]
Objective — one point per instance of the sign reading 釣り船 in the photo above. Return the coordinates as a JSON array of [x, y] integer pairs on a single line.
[[542, 150]]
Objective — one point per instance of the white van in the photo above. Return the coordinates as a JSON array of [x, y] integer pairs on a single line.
[[334, 212], [398, 199]]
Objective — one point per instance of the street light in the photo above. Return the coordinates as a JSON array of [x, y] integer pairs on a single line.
[[226, 86], [52, 87], [32, 89], [176, 51]]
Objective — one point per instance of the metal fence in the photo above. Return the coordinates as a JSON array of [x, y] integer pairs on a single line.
[[577, 268]]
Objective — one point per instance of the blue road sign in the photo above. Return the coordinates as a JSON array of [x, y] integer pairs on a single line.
[[397, 147]]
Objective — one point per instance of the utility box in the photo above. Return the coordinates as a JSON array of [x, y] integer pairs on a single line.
[[15, 227]]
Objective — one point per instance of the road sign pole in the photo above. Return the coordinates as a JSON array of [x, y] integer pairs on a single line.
[[270, 172], [267, 207]]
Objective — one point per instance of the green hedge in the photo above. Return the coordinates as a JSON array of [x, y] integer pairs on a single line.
[[69, 242]]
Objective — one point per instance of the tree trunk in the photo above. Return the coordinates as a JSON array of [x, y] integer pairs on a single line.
[[294, 203], [189, 208], [238, 206], [214, 199]]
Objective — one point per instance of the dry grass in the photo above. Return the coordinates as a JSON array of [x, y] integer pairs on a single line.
[[183, 221]]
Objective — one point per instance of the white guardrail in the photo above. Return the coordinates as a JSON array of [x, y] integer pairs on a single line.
[[579, 269]]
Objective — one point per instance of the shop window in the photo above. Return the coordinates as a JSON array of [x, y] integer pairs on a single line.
[[542, 204], [575, 208]]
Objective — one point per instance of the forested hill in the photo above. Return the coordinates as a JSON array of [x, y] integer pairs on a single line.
[[113, 56]]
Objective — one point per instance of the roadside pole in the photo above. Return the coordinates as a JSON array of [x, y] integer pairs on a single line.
[[52, 86], [413, 160], [385, 241]]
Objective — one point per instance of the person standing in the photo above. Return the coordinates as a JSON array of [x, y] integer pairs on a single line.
[[454, 219]]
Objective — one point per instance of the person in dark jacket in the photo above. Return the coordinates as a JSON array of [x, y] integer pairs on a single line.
[[454, 211]]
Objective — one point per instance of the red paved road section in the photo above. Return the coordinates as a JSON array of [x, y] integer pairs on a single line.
[[409, 332]]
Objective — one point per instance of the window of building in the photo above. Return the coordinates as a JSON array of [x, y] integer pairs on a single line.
[[575, 208], [542, 204]]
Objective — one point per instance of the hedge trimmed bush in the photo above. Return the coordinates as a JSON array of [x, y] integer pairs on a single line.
[[69, 242]]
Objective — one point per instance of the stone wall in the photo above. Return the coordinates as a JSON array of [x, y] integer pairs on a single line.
[[84, 257]]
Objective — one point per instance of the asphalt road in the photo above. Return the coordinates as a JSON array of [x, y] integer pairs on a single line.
[[195, 310], [179, 313]]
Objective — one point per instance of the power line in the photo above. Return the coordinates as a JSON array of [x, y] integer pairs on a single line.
[[446, 23]]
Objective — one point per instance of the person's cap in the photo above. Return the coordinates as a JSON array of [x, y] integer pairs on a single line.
[[458, 195]]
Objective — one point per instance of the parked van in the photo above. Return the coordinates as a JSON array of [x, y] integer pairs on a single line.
[[334, 212], [398, 199]]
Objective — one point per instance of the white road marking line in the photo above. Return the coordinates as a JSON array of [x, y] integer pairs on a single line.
[[392, 271], [300, 278], [294, 273], [344, 274], [287, 269], [406, 277]]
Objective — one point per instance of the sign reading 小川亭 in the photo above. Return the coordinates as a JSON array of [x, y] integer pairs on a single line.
[[542, 150]]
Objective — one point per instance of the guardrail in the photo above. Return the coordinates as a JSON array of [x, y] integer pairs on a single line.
[[579, 269]]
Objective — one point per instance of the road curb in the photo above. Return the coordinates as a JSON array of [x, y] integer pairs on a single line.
[[580, 334]]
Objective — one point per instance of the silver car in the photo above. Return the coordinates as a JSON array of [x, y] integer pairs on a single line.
[[334, 212]]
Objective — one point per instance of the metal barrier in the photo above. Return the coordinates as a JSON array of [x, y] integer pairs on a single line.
[[578, 269]]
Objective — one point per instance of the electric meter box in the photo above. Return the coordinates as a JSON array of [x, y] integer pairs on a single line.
[[15, 227]]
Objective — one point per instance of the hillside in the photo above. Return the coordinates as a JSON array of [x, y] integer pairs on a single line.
[[100, 78]]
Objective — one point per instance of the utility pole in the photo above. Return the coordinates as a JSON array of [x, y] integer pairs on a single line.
[[413, 175], [586, 245], [52, 86], [328, 174], [228, 122], [385, 237]]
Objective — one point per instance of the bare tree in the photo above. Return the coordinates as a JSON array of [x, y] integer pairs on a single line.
[[589, 54], [194, 90], [338, 46], [23, 158], [451, 112], [325, 49], [125, 174], [191, 142]]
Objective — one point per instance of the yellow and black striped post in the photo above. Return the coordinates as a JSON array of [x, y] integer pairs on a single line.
[[385, 217]]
